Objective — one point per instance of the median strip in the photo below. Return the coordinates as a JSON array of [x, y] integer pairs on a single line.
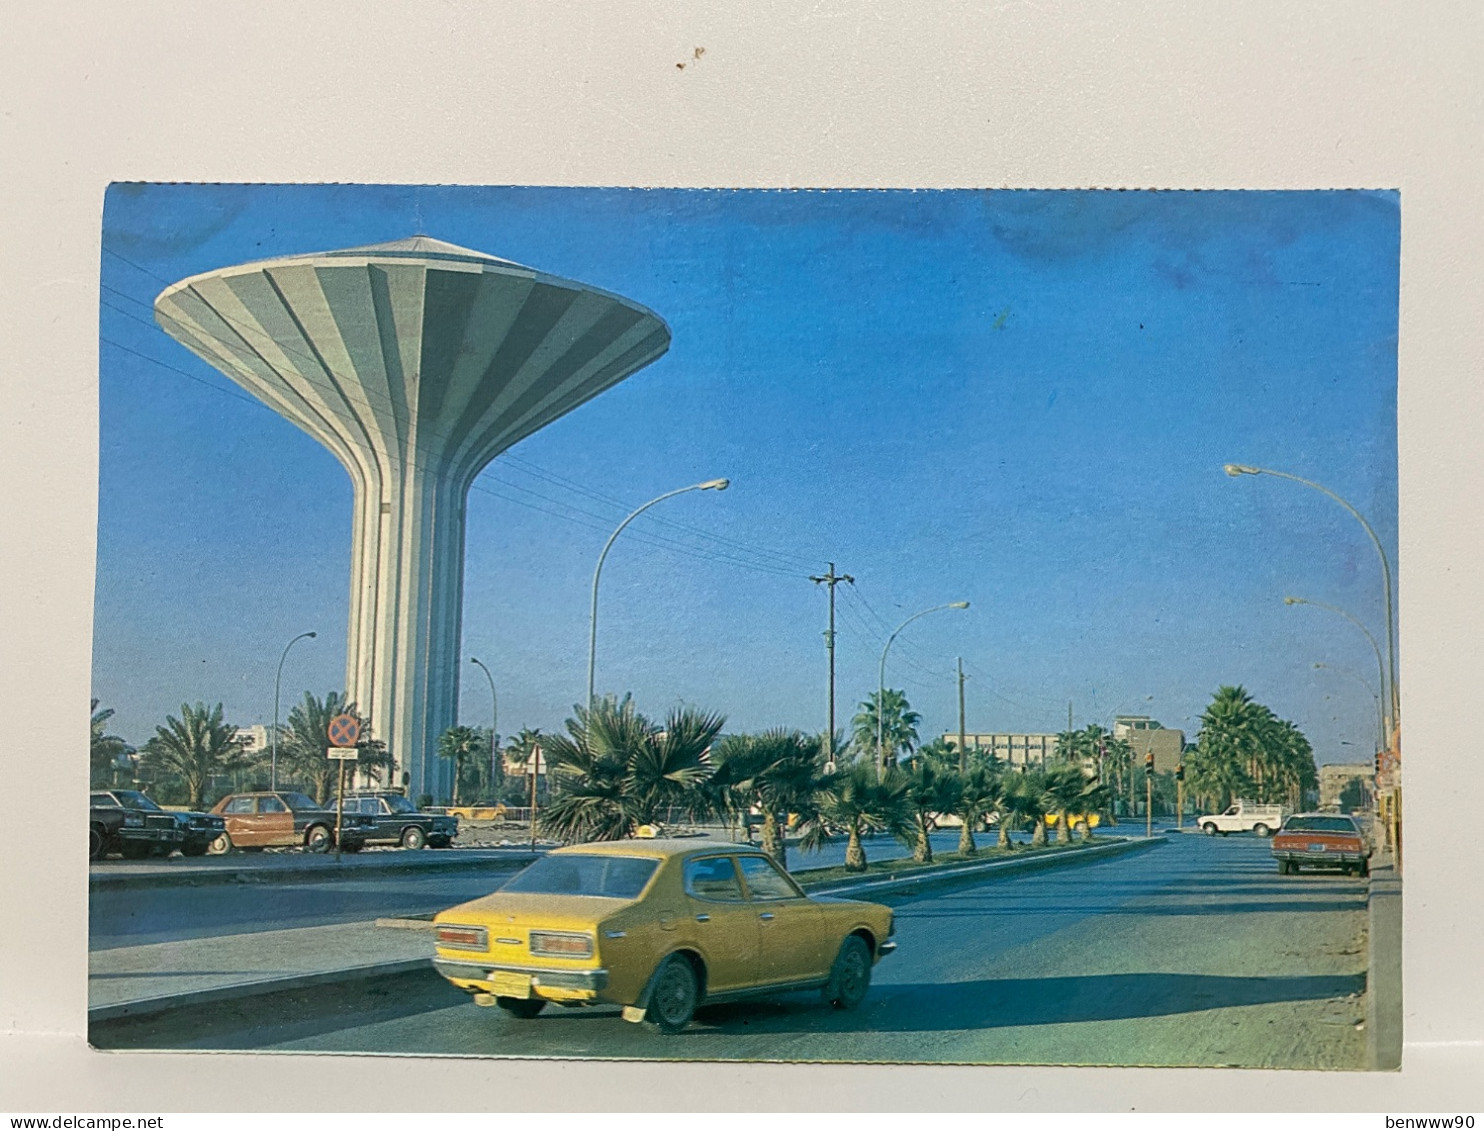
[[311, 868], [936, 875]]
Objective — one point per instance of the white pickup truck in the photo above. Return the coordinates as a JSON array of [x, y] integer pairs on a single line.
[[1264, 820]]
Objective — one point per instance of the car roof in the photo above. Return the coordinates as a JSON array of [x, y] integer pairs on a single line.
[[656, 847]]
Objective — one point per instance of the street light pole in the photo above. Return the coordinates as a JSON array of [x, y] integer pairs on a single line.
[[1376, 648], [1360, 679], [1236, 469], [494, 712], [592, 639], [881, 677], [277, 683]]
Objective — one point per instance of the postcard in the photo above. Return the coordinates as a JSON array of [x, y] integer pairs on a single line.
[[884, 627]]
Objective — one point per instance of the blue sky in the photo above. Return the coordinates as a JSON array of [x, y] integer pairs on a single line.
[[1019, 399]]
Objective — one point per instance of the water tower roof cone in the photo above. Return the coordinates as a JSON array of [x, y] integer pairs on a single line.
[[415, 362]]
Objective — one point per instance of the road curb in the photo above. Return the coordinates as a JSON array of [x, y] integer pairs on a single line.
[[959, 872], [144, 1007], [1383, 1022], [324, 869]]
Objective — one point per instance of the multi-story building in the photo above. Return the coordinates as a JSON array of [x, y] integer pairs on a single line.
[[1034, 750], [1148, 736], [1335, 777], [256, 738]]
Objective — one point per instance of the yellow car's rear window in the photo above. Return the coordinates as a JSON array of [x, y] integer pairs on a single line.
[[616, 877]]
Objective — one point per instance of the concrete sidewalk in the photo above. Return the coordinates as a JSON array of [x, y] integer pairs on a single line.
[[1384, 968], [156, 976]]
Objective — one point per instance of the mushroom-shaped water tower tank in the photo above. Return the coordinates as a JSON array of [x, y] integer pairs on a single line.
[[415, 362]]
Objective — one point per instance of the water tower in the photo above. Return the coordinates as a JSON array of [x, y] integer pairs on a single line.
[[415, 362]]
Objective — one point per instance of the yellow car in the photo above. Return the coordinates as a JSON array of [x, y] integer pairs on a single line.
[[658, 927]]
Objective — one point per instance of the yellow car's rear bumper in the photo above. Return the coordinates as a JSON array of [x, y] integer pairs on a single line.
[[557, 985]]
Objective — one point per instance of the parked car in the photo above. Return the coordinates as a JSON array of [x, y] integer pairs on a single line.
[[395, 820], [105, 827], [1322, 840], [284, 818], [132, 832], [1242, 817], [197, 830], [658, 927]]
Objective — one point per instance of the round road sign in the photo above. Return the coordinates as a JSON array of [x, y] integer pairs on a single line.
[[344, 730]]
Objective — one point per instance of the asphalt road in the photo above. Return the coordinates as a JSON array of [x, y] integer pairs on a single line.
[[1192, 953], [132, 915]]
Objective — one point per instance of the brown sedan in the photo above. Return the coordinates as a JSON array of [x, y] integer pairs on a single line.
[[283, 819]]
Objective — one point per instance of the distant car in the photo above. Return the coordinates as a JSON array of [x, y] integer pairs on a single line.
[[1321, 840], [1242, 817], [395, 820], [197, 830], [658, 927], [284, 819], [134, 832]]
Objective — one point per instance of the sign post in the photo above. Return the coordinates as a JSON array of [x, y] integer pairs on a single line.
[[534, 768], [343, 732], [1149, 795]]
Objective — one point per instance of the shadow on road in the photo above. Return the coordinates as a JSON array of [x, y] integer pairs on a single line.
[[1005, 1002]]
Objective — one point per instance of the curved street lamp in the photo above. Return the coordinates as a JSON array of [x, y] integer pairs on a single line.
[[1360, 679], [494, 711], [1376, 648], [277, 683], [592, 639], [881, 677], [1238, 469]]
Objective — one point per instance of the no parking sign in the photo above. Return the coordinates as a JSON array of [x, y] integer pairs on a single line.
[[344, 730]]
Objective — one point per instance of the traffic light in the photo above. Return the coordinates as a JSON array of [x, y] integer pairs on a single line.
[[1180, 771], [1149, 763]]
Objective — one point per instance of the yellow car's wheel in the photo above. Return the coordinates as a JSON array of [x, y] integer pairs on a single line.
[[676, 993], [850, 977]]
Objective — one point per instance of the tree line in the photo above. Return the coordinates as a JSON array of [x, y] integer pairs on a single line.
[[616, 770]]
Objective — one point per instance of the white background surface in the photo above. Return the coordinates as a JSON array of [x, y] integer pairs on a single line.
[[1262, 94]]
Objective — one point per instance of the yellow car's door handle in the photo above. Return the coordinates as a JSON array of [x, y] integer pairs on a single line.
[[766, 915], [703, 918]]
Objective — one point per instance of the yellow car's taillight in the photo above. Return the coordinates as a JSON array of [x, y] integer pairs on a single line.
[[463, 938], [561, 944]]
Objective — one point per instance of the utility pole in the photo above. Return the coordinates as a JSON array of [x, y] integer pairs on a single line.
[[963, 739], [831, 579]]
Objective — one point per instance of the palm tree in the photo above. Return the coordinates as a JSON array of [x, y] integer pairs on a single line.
[[1118, 766], [1096, 799], [195, 748], [615, 770], [465, 747], [930, 791], [1039, 800], [973, 795], [1018, 800], [858, 802], [898, 722], [105, 750], [304, 743], [940, 752], [780, 772], [1228, 746], [1065, 786]]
